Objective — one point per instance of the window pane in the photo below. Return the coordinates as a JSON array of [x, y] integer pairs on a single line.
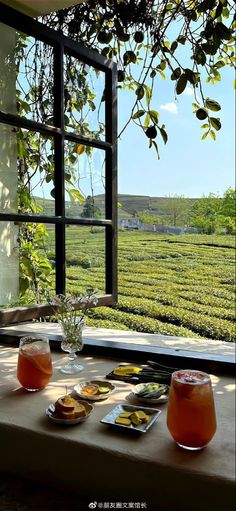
[[26, 80], [84, 181], [84, 99], [27, 254], [85, 258], [26, 171]]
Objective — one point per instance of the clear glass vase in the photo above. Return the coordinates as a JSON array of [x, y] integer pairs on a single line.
[[71, 343]]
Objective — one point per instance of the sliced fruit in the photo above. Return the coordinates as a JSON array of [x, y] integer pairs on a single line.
[[103, 390]]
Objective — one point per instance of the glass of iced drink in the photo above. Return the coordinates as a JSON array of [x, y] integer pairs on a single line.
[[191, 417], [34, 368]]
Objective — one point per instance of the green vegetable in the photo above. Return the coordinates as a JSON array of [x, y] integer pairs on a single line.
[[103, 390], [152, 391]]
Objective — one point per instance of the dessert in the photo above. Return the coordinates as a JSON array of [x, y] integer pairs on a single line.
[[66, 407], [132, 418]]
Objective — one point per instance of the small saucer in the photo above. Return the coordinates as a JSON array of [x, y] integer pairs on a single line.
[[94, 397]]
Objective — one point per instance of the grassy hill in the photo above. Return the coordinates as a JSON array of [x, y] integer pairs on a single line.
[[130, 204]]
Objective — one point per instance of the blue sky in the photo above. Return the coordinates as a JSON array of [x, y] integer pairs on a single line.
[[188, 166]]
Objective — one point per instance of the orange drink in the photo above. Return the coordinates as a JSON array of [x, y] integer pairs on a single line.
[[34, 368], [191, 417]]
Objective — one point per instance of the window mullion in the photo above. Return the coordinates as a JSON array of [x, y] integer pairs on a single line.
[[59, 168], [111, 181]]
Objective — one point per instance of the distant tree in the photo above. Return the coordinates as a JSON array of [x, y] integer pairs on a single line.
[[176, 209], [147, 218], [229, 203], [90, 210], [206, 212]]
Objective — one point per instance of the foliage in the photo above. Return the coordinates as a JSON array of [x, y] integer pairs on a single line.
[[35, 270], [212, 213], [177, 207], [66, 307], [146, 40], [90, 210]]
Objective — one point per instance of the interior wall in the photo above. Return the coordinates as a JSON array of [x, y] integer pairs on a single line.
[[9, 259]]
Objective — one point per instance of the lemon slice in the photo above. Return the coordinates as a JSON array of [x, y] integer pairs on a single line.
[[126, 370]]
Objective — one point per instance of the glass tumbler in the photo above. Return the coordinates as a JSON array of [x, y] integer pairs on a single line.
[[34, 368], [191, 417]]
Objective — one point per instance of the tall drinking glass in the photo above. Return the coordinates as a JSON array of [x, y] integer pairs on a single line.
[[191, 417], [34, 368]]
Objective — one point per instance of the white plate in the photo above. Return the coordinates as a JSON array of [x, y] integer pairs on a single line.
[[99, 397], [143, 428], [68, 422], [149, 401]]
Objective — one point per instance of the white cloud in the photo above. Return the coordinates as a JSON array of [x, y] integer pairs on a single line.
[[170, 107], [189, 91]]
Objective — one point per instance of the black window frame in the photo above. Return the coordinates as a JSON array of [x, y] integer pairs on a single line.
[[63, 45]]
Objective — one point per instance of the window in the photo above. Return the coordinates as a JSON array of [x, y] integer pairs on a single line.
[[58, 141]]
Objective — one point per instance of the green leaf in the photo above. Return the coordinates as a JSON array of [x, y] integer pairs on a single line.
[[140, 92], [181, 39], [128, 57], [215, 122], [199, 56], [209, 48], [147, 121], [223, 31], [204, 126], [204, 135], [174, 46], [162, 65], [212, 105], [181, 84], [176, 74], [75, 195], [138, 114], [157, 149], [154, 116], [164, 135], [212, 135], [148, 94]]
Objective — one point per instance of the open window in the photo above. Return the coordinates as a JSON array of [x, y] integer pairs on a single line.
[[58, 168]]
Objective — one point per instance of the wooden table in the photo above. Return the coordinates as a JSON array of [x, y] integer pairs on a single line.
[[107, 464]]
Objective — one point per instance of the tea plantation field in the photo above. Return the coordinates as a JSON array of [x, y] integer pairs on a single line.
[[174, 285]]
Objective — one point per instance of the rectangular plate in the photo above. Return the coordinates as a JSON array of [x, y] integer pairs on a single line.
[[143, 428]]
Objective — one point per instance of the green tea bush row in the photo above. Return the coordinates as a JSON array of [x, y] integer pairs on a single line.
[[140, 324], [175, 301], [208, 327]]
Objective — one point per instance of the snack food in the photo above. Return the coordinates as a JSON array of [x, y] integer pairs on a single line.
[[66, 407], [93, 389], [135, 418]]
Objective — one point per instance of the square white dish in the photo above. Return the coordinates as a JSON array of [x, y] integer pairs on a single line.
[[142, 428]]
